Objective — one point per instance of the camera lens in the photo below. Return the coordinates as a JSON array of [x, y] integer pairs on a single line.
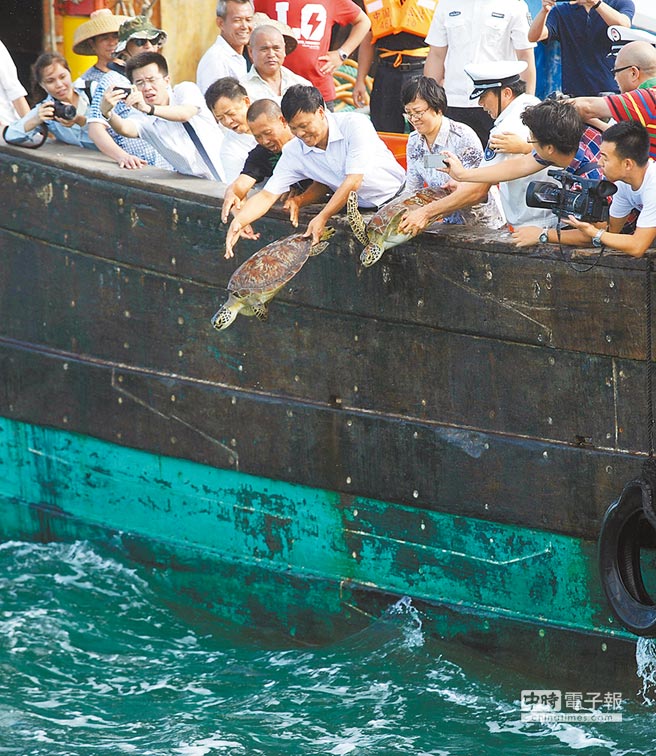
[[64, 111]]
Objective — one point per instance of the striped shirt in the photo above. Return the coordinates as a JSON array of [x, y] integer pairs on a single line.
[[638, 105]]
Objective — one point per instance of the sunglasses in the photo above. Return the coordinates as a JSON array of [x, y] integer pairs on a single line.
[[143, 42], [623, 68]]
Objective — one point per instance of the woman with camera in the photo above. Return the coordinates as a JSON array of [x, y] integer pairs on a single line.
[[61, 114]]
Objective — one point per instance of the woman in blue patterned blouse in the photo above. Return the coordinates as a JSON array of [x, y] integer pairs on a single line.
[[425, 103]]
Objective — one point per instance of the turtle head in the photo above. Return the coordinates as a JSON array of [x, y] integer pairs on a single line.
[[371, 254], [224, 317]]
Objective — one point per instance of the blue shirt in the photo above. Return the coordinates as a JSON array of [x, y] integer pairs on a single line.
[[138, 147], [75, 135], [584, 47]]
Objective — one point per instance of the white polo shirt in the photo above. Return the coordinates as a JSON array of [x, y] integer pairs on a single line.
[[513, 193], [234, 151], [642, 199], [353, 147], [172, 141], [258, 89], [476, 31], [10, 87], [218, 61]]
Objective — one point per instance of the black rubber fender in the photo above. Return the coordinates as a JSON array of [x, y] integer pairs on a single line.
[[625, 526]]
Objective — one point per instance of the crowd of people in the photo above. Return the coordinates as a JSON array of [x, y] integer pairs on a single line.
[[459, 78]]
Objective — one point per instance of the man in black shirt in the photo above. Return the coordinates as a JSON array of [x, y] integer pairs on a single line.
[[271, 133]]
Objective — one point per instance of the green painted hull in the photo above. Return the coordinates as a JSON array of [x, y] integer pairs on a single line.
[[309, 562]]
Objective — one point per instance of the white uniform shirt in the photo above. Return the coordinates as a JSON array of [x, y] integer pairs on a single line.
[[476, 31], [171, 140], [10, 88], [234, 151], [353, 147], [218, 61], [258, 89], [642, 199], [513, 193]]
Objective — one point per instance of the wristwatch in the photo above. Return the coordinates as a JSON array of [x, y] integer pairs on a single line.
[[596, 239], [544, 236], [342, 55]]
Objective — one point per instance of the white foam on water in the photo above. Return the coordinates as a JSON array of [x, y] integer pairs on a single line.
[[646, 668]]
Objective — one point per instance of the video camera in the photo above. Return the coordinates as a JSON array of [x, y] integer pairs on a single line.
[[584, 198]]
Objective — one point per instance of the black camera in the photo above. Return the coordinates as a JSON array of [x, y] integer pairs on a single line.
[[64, 111], [584, 198], [127, 91]]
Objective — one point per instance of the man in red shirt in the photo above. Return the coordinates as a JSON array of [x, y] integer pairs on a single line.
[[312, 24]]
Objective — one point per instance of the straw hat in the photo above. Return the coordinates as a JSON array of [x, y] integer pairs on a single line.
[[261, 19], [100, 22]]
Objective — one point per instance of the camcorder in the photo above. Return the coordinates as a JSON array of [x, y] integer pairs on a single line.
[[64, 111], [584, 198]]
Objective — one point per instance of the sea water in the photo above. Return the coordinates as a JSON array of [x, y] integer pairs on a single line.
[[96, 657]]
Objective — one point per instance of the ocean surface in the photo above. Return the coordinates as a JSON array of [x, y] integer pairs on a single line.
[[96, 657]]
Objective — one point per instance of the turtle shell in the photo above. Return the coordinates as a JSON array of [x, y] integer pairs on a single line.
[[271, 267], [385, 221]]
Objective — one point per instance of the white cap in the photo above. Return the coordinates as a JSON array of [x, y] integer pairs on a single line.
[[622, 35], [493, 75]]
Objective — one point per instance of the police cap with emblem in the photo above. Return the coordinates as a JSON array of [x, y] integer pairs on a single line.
[[621, 35], [494, 75]]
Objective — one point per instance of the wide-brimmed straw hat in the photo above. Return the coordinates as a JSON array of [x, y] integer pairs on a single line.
[[138, 27], [100, 22], [261, 19]]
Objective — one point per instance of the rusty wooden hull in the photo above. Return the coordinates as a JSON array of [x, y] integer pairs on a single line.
[[464, 412]]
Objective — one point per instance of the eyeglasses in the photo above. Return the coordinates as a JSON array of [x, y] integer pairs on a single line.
[[143, 83], [615, 71], [417, 115], [143, 42]]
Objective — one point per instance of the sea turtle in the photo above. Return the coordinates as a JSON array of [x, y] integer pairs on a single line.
[[260, 278], [381, 232]]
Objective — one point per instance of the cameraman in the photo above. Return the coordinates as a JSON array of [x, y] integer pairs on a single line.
[[625, 161], [559, 138]]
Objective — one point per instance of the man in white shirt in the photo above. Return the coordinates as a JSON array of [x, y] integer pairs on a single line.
[[502, 94], [476, 31], [624, 159], [176, 122], [13, 104], [268, 78], [234, 19], [228, 102], [342, 151]]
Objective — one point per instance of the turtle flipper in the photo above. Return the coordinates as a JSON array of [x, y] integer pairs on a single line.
[[319, 247], [371, 254], [356, 222], [261, 311], [225, 315]]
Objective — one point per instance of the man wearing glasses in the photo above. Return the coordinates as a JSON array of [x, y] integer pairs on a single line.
[[135, 35], [635, 72], [176, 122]]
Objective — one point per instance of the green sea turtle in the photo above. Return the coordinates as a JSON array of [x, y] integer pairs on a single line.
[[259, 279], [381, 232]]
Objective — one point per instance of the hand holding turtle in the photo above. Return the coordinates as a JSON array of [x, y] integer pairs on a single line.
[[315, 228], [415, 221]]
